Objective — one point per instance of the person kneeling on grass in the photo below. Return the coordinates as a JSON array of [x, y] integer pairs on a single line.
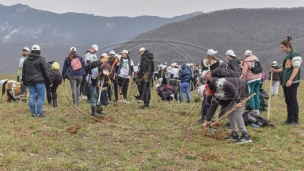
[[226, 94]]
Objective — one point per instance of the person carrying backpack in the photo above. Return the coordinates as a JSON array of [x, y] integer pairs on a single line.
[[56, 80], [74, 70], [234, 63], [253, 80]]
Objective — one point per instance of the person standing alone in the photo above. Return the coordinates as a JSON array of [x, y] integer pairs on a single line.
[[25, 54]]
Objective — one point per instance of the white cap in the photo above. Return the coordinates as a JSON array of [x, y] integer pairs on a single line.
[[118, 56], [221, 61], [35, 47], [188, 64], [230, 52], [26, 48], [104, 54], [142, 49], [274, 63], [95, 47], [211, 52], [112, 52], [191, 64], [72, 48], [248, 52], [124, 51]]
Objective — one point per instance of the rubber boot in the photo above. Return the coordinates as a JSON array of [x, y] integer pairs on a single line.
[[94, 112]]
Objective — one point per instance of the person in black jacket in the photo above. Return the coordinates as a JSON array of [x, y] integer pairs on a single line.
[[276, 78], [51, 92], [234, 63], [145, 75], [35, 75]]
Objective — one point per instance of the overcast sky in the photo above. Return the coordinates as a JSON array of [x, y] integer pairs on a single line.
[[163, 8]]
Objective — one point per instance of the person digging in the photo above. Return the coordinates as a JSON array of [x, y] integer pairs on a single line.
[[225, 93]]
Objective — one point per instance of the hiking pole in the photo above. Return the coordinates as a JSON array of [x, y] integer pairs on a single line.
[[269, 100], [228, 113]]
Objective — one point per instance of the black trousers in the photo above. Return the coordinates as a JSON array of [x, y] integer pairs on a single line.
[[124, 84], [145, 92], [51, 92], [291, 101]]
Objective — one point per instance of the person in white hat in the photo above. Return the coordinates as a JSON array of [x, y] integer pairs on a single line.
[[25, 53], [146, 69], [234, 63], [276, 78], [253, 80], [91, 54], [35, 75], [210, 62], [124, 72]]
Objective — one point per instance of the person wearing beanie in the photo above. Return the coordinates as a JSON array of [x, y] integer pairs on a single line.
[[35, 75]]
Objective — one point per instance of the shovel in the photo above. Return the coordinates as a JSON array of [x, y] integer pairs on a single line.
[[211, 130], [99, 107]]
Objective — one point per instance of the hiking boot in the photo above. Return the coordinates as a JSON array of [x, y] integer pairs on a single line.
[[286, 122], [40, 116], [202, 120], [233, 137], [293, 124], [33, 115], [243, 139], [94, 111], [54, 103]]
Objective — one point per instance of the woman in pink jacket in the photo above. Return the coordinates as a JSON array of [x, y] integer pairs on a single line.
[[253, 80]]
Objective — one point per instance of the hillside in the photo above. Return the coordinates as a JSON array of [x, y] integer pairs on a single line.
[[21, 25], [260, 30]]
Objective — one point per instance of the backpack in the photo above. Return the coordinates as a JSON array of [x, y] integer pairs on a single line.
[[55, 66], [92, 65], [252, 117], [256, 67], [76, 64]]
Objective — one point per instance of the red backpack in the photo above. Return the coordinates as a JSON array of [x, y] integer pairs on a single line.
[[76, 64]]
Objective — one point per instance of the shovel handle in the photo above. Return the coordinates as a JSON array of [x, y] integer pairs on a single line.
[[233, 109]]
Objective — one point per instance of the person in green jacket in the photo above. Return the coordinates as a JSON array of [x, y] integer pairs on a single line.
[[290, 80], [25, 54]]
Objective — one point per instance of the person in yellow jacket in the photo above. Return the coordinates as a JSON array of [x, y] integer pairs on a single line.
[[25, 54]]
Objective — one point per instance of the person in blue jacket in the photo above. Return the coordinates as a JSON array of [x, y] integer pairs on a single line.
[[185, 77]]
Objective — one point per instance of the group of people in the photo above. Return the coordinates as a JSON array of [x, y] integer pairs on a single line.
[[90, 76], [226, 85]]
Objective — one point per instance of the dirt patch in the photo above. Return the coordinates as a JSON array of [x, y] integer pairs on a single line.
[[103, 118], [183, 113], [23, 132], [73, 129]]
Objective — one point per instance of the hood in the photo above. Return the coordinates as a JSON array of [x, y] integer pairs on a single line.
[[184, 67], [251, 58], [237, 60], [148, 54], [33, 57]]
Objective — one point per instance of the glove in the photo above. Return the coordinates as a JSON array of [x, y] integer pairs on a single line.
[[18, 78]]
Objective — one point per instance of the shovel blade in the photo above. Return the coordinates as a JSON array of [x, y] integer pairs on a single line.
[[211, 130]]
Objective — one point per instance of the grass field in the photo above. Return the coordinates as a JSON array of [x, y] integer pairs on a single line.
[[164, 137]]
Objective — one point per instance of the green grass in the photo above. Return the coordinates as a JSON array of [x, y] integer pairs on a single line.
[[128, 138]]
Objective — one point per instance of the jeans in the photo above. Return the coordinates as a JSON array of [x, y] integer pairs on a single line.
[[255, 100], [94, 97], [75, 82], [291, 101], [184, 87], [39, 90], [275, 87]]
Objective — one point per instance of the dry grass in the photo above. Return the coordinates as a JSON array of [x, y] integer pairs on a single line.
[[128, 138]]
